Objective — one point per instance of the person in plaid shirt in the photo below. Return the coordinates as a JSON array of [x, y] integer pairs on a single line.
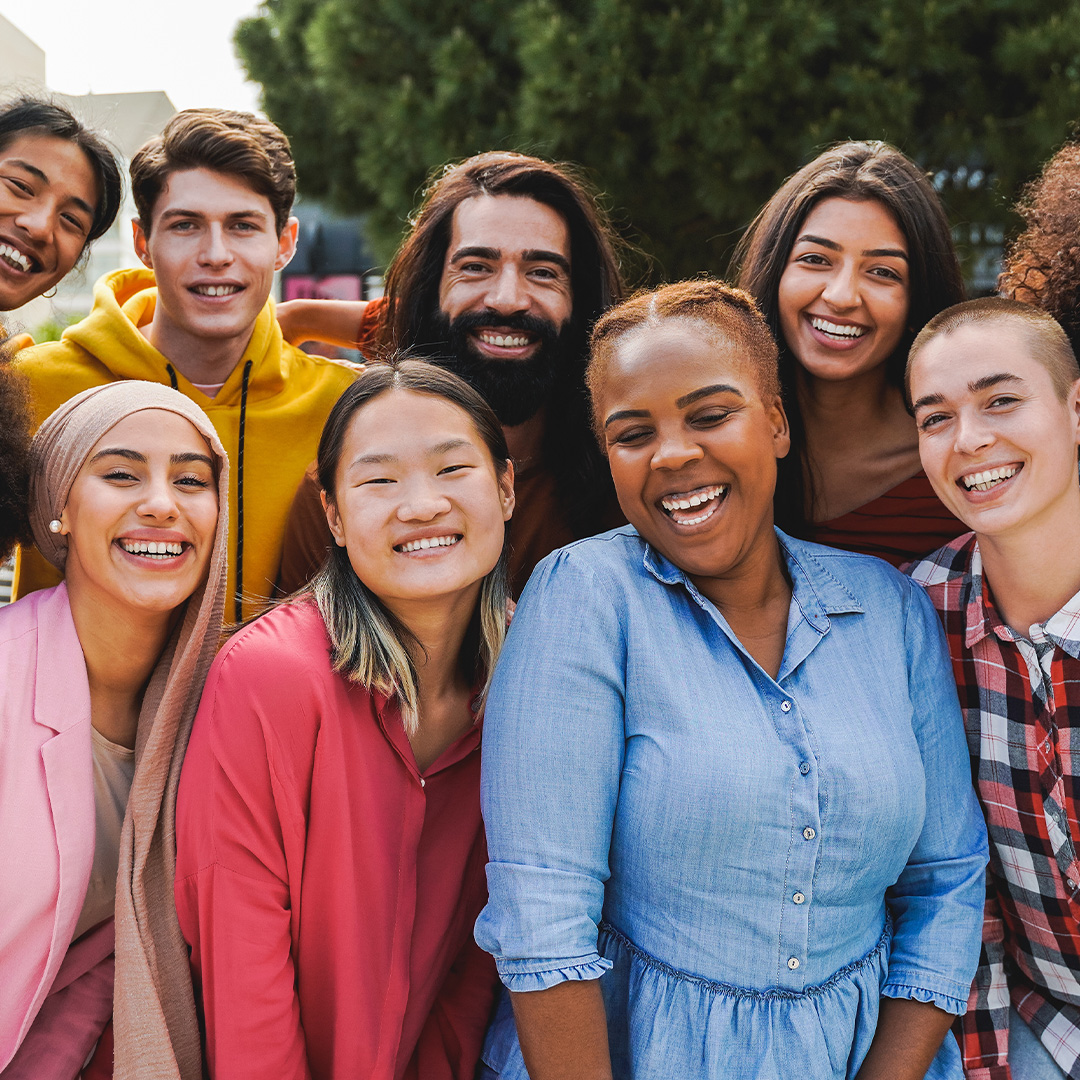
[[995, 390]]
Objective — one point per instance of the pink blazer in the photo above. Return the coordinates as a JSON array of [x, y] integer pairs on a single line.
[[54, 999]]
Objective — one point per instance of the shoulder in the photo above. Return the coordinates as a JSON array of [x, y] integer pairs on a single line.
[[278, 653], [849, 569], [611, 557], [57, 371], [949, 564], [45, 609], [322, 370]]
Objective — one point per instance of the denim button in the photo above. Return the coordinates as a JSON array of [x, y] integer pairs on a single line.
[[799, 898], [785, 706], [808, 833], [804, 768], [793, 963]]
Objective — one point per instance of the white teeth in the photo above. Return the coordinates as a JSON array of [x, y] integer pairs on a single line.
[[216, 290], [505, 341], [14, 257], [696, 498], [428, 542], [983, 481], [835, 329], [160, 549]]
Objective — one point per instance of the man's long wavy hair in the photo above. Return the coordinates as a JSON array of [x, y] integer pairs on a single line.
[[412, 290], [859, 171], [1042, 267]]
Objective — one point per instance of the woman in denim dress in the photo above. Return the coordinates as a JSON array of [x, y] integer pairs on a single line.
[[730, 823]]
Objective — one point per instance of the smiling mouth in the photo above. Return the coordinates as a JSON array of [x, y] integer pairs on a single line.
[[427, 542], [990, 478], [154, 549], [504, 341], [837, 331], [13, 258], [216, 290], [696, 506]]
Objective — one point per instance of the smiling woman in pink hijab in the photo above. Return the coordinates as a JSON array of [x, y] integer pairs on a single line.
[[99, 683]]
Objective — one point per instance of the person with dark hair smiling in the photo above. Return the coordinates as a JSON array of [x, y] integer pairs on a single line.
[[509, 262], [214, 193]]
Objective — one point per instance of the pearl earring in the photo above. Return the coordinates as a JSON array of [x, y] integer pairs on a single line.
[[55, 525]]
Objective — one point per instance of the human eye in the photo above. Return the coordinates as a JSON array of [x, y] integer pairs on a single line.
[[19, 185], [448, 469], [711, 416], [375, 480], [119, 475], [78, 224], [928, 421], [811, 258], [887, 273], [1001, 401], [631, 436], [192, 481]]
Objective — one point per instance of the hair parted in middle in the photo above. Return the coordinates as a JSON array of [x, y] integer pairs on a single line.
[[237, 144], [412, 296], [369, 645], [858, 171], [722, 310]]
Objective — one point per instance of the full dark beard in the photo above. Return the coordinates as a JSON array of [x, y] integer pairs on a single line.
[[515, 389]]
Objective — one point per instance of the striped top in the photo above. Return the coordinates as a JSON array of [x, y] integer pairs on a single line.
[[906, 523]]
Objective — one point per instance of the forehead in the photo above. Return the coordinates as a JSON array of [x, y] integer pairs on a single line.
[[657, 364], [153, 430], [509, 224], [60, 160], [214, 194], [950, 363], [399, 420], [865, 223]]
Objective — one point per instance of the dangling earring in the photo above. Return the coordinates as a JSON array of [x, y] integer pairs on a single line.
[[55, 525], [50, 294]]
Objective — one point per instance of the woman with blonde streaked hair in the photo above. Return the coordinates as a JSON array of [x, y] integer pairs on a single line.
[[330, 847]]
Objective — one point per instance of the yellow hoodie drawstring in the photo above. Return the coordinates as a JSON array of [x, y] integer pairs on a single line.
[[239, 598]]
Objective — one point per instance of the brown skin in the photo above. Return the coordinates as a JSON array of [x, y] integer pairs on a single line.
[[563, 1032], [909, 1034]]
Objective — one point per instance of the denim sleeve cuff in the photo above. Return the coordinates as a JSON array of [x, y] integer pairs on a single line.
[[955, 1006], [521, 977]]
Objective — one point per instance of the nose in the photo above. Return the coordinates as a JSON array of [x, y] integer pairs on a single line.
[[215, 250], [37, 219], [674, 450], [159, 500], [841, 290], [506, 292], [422, 501], [971, 433]]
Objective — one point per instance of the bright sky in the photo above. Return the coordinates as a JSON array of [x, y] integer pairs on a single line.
[[184, 48]]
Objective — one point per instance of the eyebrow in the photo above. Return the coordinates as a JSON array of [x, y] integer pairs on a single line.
[[985, 383], [434, 451], [34, 171], [135, 455], [680, 403], [237, 215], [529, 255], [870, 253]]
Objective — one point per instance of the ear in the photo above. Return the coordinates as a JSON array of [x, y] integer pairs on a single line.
[[65, 529], [142, 246], [333, 519], [287, 244], [506, 488], [1072, 403], [781, 430]]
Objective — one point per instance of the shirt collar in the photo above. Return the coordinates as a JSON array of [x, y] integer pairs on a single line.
[[982, 618], [814, 588]]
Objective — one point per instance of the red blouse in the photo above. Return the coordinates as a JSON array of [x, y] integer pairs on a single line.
[[907, 522], [327, 889]]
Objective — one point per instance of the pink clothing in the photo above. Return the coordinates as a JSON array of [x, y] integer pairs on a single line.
[[327, 889], [55, 997]]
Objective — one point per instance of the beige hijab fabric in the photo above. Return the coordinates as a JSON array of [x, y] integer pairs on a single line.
[[156, 1033]]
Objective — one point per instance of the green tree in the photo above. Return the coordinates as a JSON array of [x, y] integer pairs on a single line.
[[686, 115]]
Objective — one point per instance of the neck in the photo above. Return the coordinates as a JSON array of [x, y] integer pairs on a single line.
[[846, 410], [121, 646], [1034, 571], [761, 579], [526, 441], [198, 359]]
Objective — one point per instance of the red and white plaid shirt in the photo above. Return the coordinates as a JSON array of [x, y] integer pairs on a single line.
[[1021, 702]]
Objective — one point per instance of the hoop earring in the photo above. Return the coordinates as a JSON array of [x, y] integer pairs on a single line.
[[50, 294]]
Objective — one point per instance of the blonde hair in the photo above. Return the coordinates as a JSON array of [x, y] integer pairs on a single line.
[[1048, 341], [368, 644]]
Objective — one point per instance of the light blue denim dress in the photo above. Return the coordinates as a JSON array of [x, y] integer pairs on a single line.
[[747, 864]]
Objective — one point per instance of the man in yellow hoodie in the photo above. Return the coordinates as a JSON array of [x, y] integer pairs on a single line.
[[213, 192]]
